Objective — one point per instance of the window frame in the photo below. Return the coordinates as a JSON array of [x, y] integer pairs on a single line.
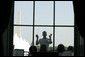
[[53, 26]]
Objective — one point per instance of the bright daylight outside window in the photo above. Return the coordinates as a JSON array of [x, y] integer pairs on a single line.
[[43, 21]]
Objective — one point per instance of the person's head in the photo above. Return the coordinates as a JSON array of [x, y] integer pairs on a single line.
[[43, 48], [60, 48], [33, 49], [70, 48], [44, 33]]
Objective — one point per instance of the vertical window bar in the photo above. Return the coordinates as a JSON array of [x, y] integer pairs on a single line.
[[33, 20], [53, 25]]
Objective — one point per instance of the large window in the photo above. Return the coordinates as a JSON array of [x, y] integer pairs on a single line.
[[54, 17]]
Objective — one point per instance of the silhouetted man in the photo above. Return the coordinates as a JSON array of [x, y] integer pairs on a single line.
[[44, 40], [32, 51]]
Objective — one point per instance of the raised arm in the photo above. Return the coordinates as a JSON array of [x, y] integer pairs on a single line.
[[50, 40], [37, 42]]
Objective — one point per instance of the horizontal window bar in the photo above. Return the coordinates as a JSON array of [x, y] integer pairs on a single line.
[[46, 25]]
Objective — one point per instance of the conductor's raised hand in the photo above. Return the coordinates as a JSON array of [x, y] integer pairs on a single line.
[[37, 36]]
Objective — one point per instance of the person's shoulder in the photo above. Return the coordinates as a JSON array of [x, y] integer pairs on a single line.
[[41, 39]]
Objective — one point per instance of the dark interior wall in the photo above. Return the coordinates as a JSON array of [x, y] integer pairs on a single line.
[[6, 18], [81, 46], [81, 40], [79, 26], [8, 40], [5, 43], [79, 16]]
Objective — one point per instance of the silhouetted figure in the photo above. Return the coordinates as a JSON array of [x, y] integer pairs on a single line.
[[44, 41], [43, 48], [70, 48], [44, 52], [69, 51], [60, 49], [32, 51]]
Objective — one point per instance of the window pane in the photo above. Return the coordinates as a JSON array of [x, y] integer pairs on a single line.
[[23, 12], [64, 14], [39, 30], [22, 37], [44, 12], [64, 35]]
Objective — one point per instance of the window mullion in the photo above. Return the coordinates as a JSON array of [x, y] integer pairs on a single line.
[[53, 25], [33, 21]]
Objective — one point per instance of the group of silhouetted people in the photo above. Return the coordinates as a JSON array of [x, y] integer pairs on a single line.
[[44, 45], [65, 52], [60, 51]]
